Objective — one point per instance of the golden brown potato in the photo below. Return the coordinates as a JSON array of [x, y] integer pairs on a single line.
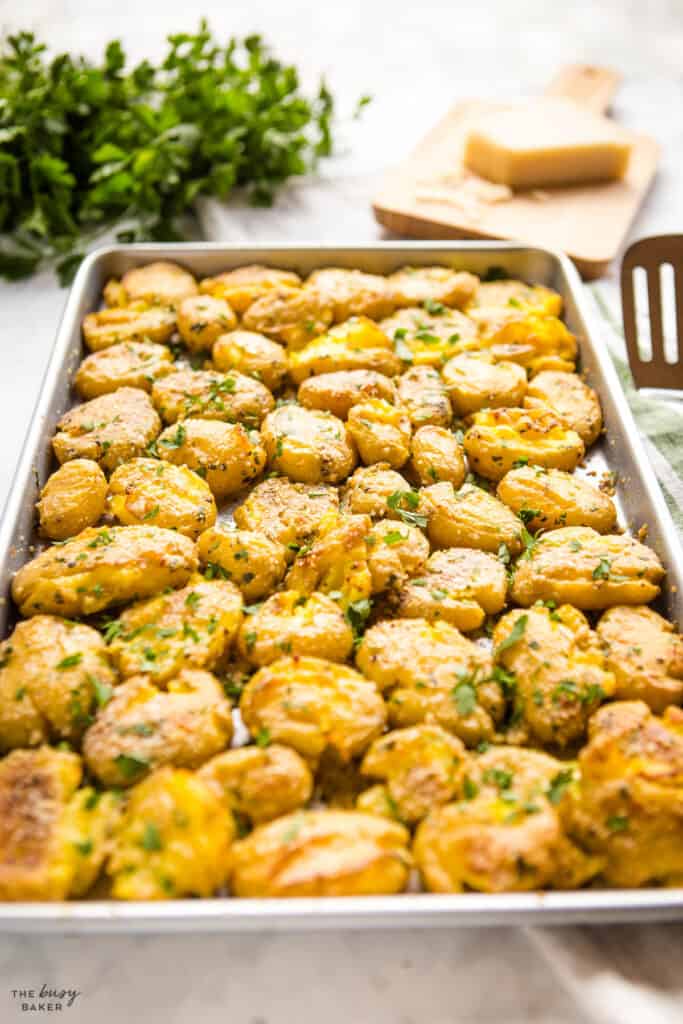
[[54, 837], [292, 316], [381, 432], [53, 673], [289, 622], [174, 839], [72, 499], [337, 392], [307, 445], [104, 567], [244, 285], [252, 354], [645, 654], [116, 326], [435, 455], [226, 455], [358, 344], [311, 704], [432, 286], [428, 339], [459, 585], [189, 628], [133, 364], [571, 398], [159, 284], [260, 783], [507, 834], [322, 853], [578, 566], [513, 298], [422, 394], [161, 494], [422, 767], [202, 319], [503, 439], [475, 381], [547, 498], [630, 803], [469, 517], [367, 491], [208, 395], [535, 342], [433, 674], [395, 552], [352, 293], [110, 429], [287, 513], [336, 562], [559, 669], [252, 561], [143, 728]]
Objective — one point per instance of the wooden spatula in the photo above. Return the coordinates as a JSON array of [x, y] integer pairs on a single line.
[[654, 329]]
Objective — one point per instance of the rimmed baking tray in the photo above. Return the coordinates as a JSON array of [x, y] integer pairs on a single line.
[[640, 505]]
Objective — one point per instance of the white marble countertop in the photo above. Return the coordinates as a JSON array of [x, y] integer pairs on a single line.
[[416, 59]]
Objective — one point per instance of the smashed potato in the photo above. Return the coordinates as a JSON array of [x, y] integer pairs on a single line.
[[308, 445], [192, 627], [110, 429], [226, 455], [546, 499], [161, 494], [512, 298], [103, 567], [251, 354], [338, 392], [571, 398], [133, 364], [432, 286], [260, 783], [381, 432], [535, 342], [160, 284], [428, 339], [291, 316], [252, 561], [353, 293], [117, 326], [576, 565], [422, 394], [475, 381], [202, 319], [645, 654], [53, 673], [311, 704], [287, 513], [336, 563], [72, 499], [395, 552], [142, 728], [367, 491], [502, 439], [209, 395], [322, 853], [469, 517], [435, 454], [289, 622], [245, 285], [358, 344]]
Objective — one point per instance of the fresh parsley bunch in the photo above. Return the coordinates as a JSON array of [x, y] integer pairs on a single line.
[[85, 146]]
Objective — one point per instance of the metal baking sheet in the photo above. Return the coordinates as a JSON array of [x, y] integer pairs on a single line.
[[640, 504]]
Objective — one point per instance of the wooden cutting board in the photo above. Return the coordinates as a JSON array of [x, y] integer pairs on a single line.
[[428, 197]]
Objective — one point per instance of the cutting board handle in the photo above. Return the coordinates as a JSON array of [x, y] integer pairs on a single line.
[[586, 84]]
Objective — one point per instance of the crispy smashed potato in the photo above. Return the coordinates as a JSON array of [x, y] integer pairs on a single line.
[[226, 455], [432, 286], [308, 445], [336, 562], [322, 853], [338, 392], [290, 622], [133, 364], [576, 565], [209, 395], [174, 839], [368, 490], [251, 354], [423, 395], [358, 344], [571, 398], [287, 513], [469, 517], [395, 552], [54, 837], [72, 499], [502, 439], [312, 704], [535, 342], [474, 381], [161, 494], [245, 285], [249, 559], [142, 728], [110, 429], [53, 673], [511, 298], [422, 338], [549, 498], [103, 567], [559, 670], [192, 627], [435, 454], [291, 316], [260, 783], [381, 432], [118, 326], [645, 654], [158, 284], [202, 319], [353, 293]]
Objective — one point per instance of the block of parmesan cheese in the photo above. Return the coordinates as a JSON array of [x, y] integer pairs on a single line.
[[549, 141]]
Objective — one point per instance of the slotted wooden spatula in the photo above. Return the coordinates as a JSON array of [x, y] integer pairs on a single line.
[[652, 302]]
